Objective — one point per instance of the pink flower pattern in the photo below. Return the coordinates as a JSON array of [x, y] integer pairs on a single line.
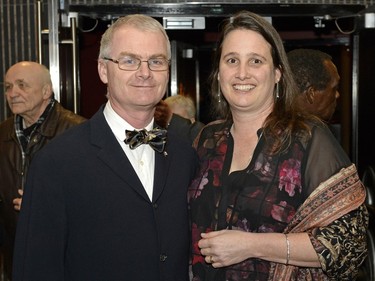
[[290, 177]]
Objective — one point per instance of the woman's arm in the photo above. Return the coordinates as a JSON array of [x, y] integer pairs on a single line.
[[227, 247]]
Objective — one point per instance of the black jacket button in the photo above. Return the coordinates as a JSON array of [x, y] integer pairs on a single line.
[[163, 257]]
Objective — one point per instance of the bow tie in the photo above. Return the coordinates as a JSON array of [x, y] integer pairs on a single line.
[[156, 138]]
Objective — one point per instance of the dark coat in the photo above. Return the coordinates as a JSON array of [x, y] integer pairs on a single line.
[[86, 215], [183, 127], [12, 172]]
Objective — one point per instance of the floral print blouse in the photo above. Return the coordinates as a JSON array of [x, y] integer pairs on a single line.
[[264, 198]]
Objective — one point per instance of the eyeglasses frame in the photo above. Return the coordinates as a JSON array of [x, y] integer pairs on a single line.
[[139, 65]]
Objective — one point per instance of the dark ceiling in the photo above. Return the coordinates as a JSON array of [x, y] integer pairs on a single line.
[[218, 10], [316, 21]]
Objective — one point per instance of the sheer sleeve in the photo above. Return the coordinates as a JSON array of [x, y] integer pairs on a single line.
[[341, 246], [325, 158]]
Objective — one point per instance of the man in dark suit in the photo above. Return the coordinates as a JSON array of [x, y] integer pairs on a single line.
[[107, 200], [37, 119]]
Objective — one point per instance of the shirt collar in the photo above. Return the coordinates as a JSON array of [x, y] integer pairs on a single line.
[[118, 124]]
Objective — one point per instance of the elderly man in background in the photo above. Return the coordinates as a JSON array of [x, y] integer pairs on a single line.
[[37, 118], [177, 113], [318, 81]]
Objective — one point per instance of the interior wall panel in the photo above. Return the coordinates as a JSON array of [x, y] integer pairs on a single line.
[[366, 101], [17, 39]]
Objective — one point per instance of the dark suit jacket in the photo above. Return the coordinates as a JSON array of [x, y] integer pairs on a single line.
[[184, 128], [86, 216], [13, 172]]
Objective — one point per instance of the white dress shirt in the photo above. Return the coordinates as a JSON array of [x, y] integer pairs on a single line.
[[142, 158]]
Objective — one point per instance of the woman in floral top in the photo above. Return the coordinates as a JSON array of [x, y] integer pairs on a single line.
[[276, 197]]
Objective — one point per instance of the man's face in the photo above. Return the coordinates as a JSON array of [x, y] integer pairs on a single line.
[[24, 90], [325, 100], [135, 90]]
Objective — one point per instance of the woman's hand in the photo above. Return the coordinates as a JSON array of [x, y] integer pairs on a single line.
[[225, 247]]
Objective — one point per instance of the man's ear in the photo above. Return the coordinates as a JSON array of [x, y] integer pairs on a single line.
[[47, 91], [310, 95], [102, 70]]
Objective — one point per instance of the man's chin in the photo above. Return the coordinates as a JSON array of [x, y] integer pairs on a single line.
[[17, 109]]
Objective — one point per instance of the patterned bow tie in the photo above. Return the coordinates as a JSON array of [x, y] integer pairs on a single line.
[[156, 138]]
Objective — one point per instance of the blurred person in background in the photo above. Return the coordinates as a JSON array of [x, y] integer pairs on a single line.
[[182, 106], [318, 81]]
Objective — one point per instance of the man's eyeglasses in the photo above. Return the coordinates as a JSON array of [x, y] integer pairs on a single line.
[[131, 64]]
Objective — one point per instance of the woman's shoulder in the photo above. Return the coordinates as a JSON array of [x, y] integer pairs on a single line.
[[322, 130], [213, 129], [324, 143], [313, 129], [217, 126]]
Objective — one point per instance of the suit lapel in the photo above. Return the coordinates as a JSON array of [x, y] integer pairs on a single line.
[[162, 164], [111, 153]]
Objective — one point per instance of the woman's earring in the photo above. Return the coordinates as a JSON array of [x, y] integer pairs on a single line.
[[218, 91], [277, 90]]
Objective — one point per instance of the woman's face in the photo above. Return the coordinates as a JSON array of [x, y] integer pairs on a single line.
[[247, 74]]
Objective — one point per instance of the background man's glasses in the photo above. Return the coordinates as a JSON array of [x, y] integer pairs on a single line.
[[131, 63]]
